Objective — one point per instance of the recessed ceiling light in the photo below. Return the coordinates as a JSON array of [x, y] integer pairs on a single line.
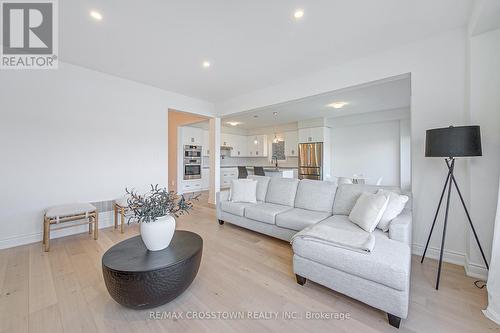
[[96, 15], [206, 64], [298, 13], [337, 105], [233, 123]]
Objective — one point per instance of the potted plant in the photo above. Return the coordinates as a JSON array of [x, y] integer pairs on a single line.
[[156, 211]]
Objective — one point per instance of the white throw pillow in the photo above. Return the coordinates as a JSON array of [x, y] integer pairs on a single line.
[[368, 210], [244, 190], [395, 206]]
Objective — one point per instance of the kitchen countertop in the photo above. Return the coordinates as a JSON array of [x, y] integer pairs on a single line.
[[266, 167]]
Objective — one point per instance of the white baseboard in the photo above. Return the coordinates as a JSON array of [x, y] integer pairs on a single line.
[[106, 219], [471, 269], [452, 257], [475, 270]]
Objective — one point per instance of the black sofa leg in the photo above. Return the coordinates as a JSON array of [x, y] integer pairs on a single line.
[[394, 320], [221, 222], [300, 280]]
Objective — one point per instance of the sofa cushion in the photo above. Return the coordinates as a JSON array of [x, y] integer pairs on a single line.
[[315, 195], [281, 191], [368, 210], [388, 263], [348, 194], [236, 208], [265, 212], [244, 190], [262, 185], [298, 218], [395, 206]]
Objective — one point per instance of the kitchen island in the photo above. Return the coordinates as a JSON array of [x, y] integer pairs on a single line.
[[230, 172]]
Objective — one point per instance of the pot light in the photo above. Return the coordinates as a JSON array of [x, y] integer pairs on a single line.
[[298, 14], [255, 141], [337, 105], [96, 15], [233, 123], [206, 64]]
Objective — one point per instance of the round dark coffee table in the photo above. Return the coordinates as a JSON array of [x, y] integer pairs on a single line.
[[138, 278]]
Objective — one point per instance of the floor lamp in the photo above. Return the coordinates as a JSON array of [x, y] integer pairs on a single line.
[[451, 142]]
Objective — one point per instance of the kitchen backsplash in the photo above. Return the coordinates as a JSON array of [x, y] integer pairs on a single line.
[[256, 161]]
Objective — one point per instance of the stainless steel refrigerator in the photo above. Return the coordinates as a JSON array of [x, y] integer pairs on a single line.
[[311, 160]]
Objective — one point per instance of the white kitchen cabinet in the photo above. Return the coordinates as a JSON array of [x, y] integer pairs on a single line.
[[313, 134], [227, 175], [192, 135], [257, 145], [226, 140], [291, 143], [240, 146], [193, 185], [205, 144], [205, 178]]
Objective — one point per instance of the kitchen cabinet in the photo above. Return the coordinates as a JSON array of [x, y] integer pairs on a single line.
[[291, 143], [189, 186], [227, 175], [313, 134], [240, 146], [226, 139], [191, 136], [257, 145], [205, 178]]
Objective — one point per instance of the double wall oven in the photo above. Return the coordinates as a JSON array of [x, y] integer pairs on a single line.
[[192, 162]]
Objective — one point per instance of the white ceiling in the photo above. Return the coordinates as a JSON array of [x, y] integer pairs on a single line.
[[250, 44], [389, 94]]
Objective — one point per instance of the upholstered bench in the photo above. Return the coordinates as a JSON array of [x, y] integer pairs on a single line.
[[57, 215]]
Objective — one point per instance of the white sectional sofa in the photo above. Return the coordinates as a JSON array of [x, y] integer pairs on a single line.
[[285, 206]]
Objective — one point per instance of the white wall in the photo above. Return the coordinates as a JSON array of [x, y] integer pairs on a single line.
[[74, 134], [437, 67], [484, 111], [368, 149]]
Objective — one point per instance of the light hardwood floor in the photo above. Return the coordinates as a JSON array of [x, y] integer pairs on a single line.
[[63, 290]]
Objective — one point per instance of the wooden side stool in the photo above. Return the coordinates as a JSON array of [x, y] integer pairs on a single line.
[[121, 206], [69, 213]]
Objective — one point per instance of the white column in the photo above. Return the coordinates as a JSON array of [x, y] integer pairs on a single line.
[[214, 144], [493, 286]]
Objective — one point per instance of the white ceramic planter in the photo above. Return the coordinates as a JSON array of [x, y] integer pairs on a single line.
[[158, 234]]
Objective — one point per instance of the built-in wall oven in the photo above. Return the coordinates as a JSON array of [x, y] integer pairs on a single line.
[[192, 162], [192, 151]]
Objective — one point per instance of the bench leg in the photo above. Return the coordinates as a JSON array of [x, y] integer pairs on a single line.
[[221, 222], [96, 225], [116, 215], [43, 227], [46, 232], [90, 225], [122, 225], [394, 320], [300, 280]]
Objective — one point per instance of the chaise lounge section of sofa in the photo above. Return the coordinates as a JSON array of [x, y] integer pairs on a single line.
[[286, 206]]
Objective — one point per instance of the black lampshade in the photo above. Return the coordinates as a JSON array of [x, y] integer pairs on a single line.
[[460, 141]]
